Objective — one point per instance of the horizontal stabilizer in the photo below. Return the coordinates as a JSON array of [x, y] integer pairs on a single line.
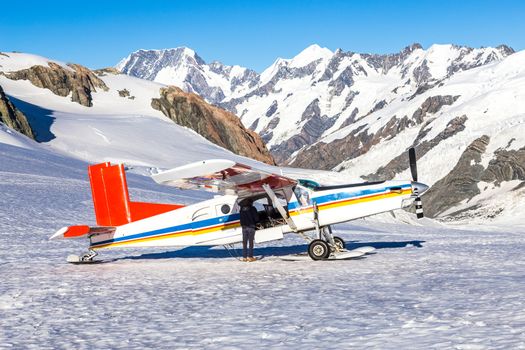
[[80, 231]]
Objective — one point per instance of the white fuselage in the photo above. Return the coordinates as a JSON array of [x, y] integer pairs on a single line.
[[216, 221]]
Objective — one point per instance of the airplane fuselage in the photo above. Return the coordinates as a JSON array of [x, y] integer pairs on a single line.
[[216, 221]]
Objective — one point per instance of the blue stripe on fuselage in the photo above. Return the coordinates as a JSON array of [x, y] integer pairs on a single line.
[[345, 195], [197, 225]]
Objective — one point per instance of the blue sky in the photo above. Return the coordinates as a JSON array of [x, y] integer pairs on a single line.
[[251, 33]]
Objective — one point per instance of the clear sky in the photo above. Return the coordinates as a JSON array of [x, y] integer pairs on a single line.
[[250, 33]]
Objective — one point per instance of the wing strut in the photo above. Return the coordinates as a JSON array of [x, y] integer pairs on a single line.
[[279, 206]]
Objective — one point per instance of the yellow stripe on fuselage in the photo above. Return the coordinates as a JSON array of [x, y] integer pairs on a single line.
[[351, 201], [169, 235]]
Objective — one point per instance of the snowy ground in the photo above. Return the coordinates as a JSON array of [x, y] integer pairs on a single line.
[[426, 287]]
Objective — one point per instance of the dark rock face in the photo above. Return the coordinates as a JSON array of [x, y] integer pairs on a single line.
[[311, 131], [380, 105], [13, 118], [123, 93], [272, 109], [460, 183], [216, 125], [506, 166], [401, 162], [421, 73], [79, 81], [267, 133], [432, 105], [197, 83], [105, 71], [351, 118], [327, 156]]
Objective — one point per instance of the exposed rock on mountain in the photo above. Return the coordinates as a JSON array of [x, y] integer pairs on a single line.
[[466, 179], [328, 155], [461, 183], [12, 117], [217, 125], [401, 162], [76, 79], [105, 71]]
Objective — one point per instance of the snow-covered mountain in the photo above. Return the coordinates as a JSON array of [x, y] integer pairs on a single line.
[[359, 113], [182, 67], [107, 116], [295, 102]]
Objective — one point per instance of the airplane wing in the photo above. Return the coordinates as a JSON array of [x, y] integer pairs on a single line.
[[222, 176]]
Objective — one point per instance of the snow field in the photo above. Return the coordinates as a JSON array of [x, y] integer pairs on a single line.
[[428, 286]]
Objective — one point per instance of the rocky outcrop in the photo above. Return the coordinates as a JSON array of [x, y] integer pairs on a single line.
[[508, 165], [314, 127], [401, 163], [78, 81], [328, 155], [215, 124], [12, 117], [432, 105], [105, 71], [310, 132], [461, 183], [123, 93]]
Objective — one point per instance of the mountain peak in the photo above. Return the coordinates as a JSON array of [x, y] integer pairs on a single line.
[[310, 54]]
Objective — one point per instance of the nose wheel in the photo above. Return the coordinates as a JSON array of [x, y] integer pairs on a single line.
[[318, 250]]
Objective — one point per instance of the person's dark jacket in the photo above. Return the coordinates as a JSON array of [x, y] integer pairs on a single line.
[[249, 216]]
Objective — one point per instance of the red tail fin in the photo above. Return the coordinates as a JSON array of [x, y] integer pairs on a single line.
[[111, 197]]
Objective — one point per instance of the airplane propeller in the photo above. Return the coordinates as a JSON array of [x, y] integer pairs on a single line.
[[416, 185]]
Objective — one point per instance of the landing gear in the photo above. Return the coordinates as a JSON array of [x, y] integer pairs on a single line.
[[85, 258], [318, 250], [339, 243]]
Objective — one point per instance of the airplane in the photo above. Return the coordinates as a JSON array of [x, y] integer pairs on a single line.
[[286, 205]]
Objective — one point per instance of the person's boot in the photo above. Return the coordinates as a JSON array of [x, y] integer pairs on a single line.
[[244, 259], [251, 258]]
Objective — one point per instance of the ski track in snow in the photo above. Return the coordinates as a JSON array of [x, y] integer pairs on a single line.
[[426, 287]]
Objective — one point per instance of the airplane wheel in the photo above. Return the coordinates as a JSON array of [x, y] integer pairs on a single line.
[[339, 242], [318, 250]]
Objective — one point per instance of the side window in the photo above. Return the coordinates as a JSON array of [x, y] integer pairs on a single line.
[[223, 209], [303, 196]]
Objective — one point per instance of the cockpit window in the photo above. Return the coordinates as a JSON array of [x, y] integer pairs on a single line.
[[308, 183]]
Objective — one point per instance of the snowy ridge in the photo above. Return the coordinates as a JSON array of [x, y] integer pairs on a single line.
[[182, 67], [14, 61], [120, 126]]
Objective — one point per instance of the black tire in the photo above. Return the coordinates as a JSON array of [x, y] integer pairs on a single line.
[[318, 250], [339, 242]]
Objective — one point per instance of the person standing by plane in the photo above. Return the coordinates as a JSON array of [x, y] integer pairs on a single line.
[[249, 219]]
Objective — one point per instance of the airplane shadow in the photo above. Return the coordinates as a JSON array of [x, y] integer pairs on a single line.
[[208, 252]]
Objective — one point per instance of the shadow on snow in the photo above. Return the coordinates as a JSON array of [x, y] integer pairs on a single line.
[[208, 252], [40, 119]]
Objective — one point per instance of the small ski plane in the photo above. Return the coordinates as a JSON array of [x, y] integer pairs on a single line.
[[285, 205]]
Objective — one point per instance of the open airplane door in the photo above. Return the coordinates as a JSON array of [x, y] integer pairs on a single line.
[[228, 177]]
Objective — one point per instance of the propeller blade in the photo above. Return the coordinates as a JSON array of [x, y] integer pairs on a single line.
[[412, 160]]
